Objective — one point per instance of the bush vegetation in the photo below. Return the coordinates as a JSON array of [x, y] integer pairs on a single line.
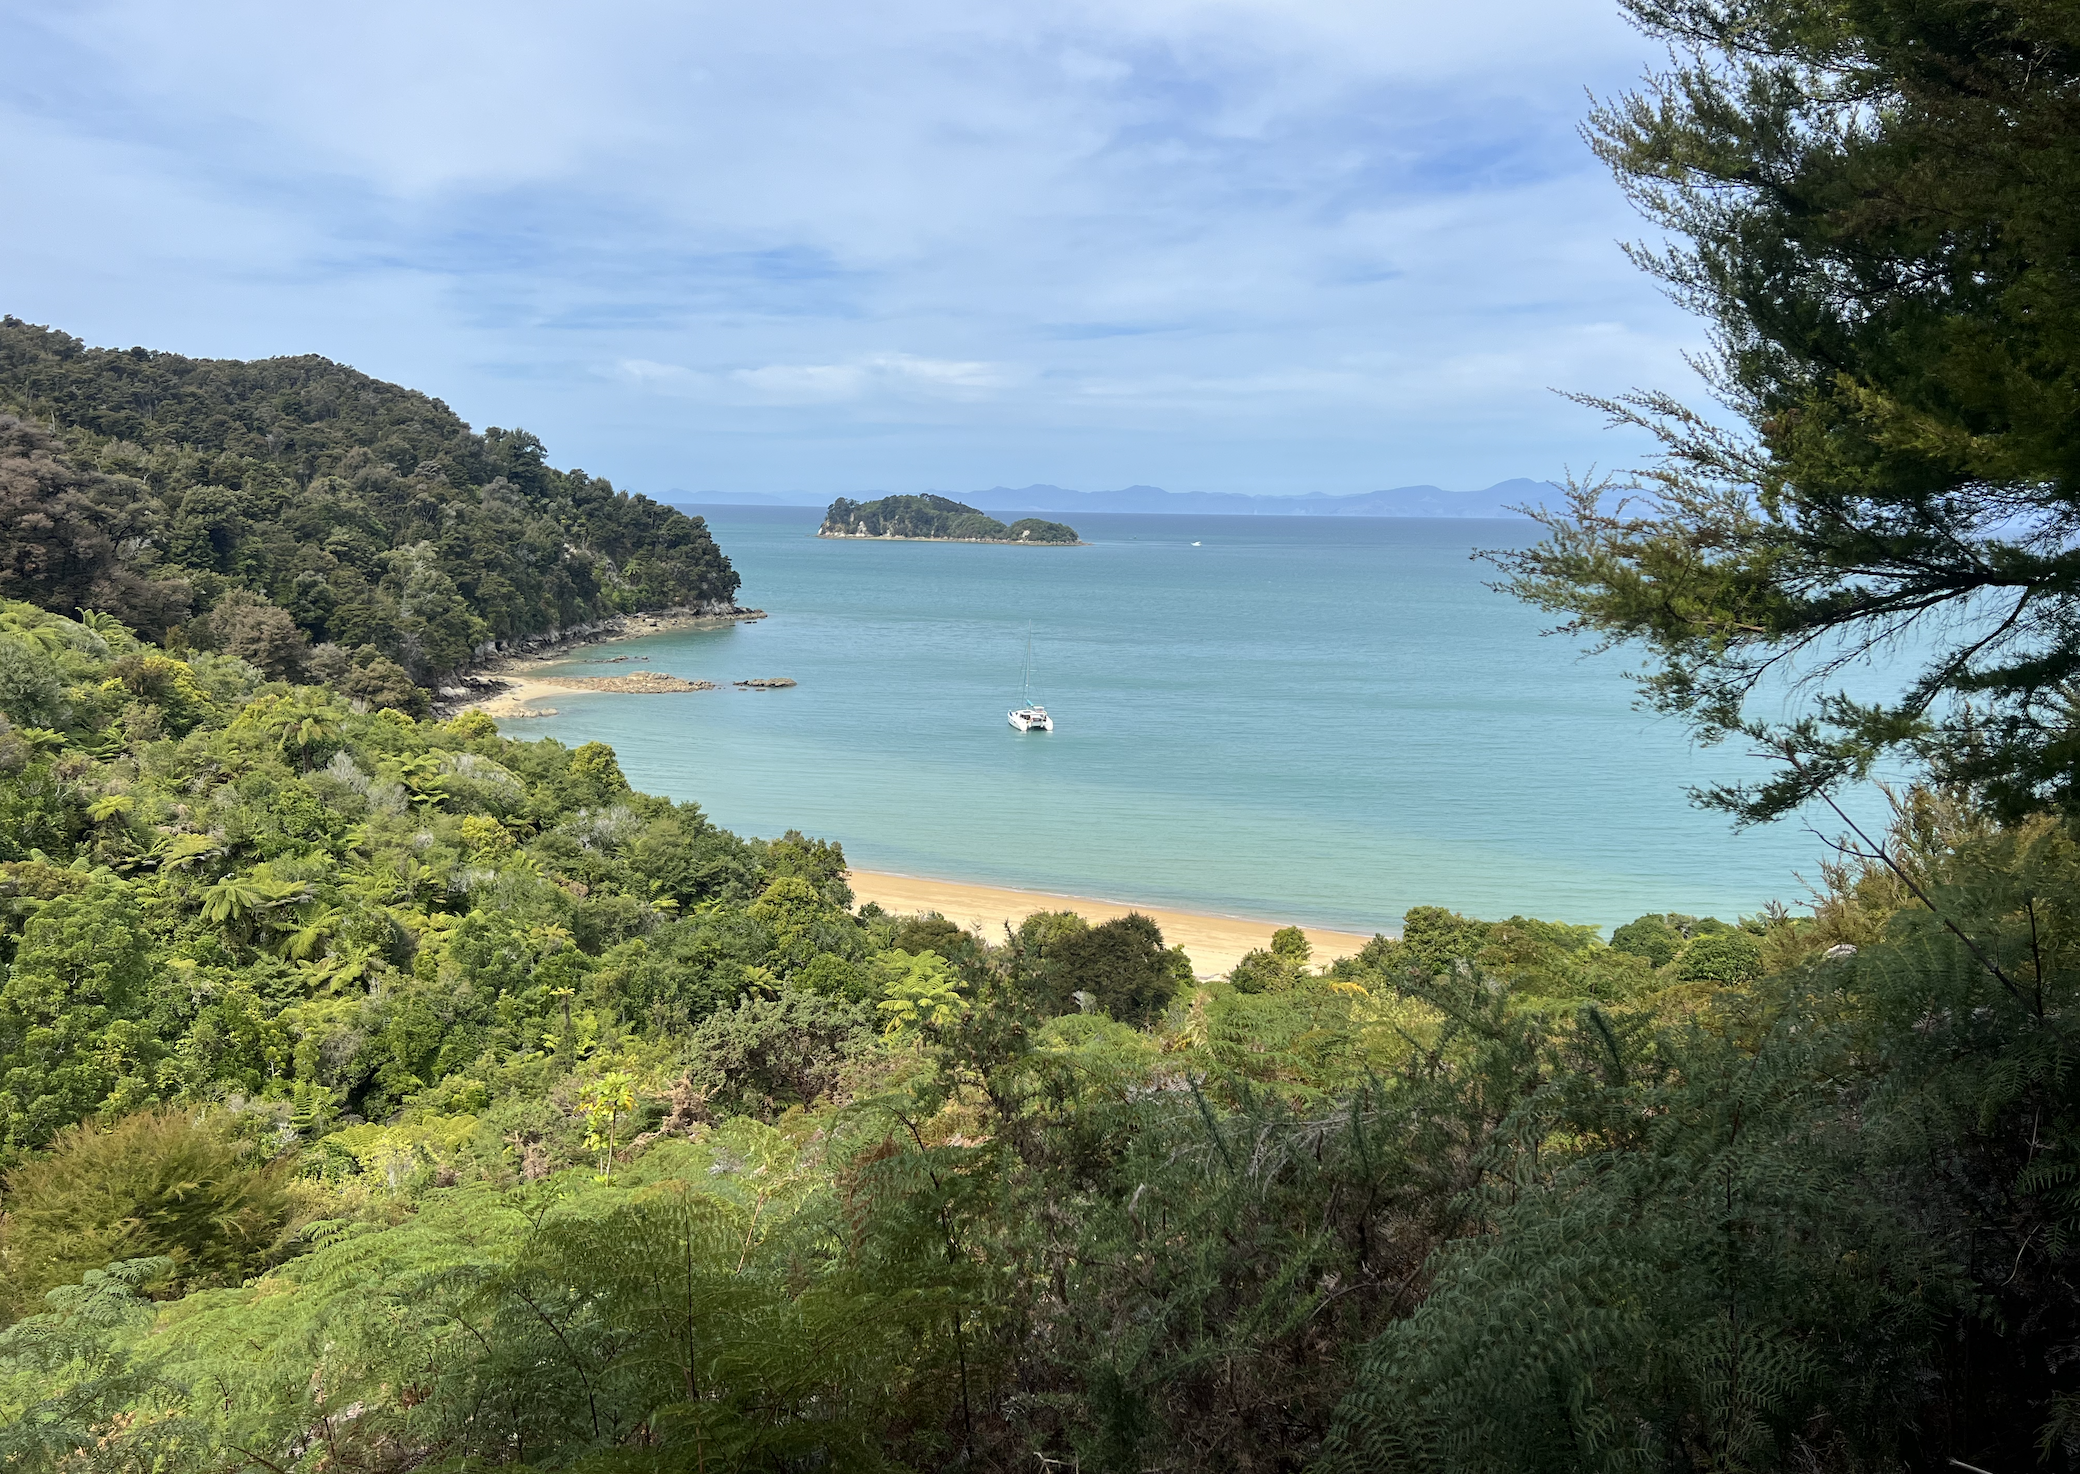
[[385, 1092]]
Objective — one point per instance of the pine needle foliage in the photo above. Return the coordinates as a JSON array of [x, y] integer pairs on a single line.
[[1872, 206]]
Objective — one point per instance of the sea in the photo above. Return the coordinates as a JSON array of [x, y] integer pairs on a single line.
[[1323, 720]]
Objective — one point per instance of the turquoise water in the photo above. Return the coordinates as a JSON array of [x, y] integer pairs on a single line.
[[1315, 719]]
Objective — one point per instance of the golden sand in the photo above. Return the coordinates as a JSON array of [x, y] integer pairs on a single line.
[[520, 697], [1214, 943]]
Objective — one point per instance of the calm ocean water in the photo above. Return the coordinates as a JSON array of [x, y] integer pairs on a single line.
[[1315, 719]]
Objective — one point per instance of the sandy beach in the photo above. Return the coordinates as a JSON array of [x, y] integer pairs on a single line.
[[520, 696], [1214, 943]]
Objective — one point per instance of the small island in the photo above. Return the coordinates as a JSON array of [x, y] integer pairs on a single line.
[[937, 519]]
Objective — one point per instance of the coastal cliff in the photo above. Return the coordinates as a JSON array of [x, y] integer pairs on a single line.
[[937, 519]]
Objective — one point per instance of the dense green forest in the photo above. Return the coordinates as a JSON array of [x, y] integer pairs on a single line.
[[387, 1094], [932, 516], [381, 1093], [312, 520]]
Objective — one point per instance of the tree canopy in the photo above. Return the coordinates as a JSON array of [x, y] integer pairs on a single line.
[[389, 1093], [357, 521], [1876, 207]]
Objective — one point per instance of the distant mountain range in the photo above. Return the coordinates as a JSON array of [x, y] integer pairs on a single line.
[[1402, 501]]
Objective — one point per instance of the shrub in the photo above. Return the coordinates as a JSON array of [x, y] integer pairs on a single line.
[[819, 862], [1122, 964], [1435, 938], [933, 933], [381, 684], [1261, 972], [1720, 957], [156, 1183], [249, 626], [770, 1053], [1650, 937], [32, 691], [834, 977]]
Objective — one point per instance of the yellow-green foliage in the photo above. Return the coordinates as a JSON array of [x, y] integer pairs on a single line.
[[394, 1155], [920, 993], [160, 1183]]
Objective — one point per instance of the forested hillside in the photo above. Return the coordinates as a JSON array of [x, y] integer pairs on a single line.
[[309, 518], [387, 1094]]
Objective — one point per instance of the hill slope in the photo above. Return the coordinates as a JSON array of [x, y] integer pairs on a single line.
[[290, 503]]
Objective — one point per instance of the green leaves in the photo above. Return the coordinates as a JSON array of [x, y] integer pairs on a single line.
[[314, 927], [82, 974], [391, 535], [1872, 207], [179, 850], [236, 899], [160, 1184], [67, 1372], [603, 1102], [1728, 1246], [920, 993], [111, 806]]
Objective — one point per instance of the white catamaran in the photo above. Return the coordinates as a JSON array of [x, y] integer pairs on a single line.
[[1029, 715]]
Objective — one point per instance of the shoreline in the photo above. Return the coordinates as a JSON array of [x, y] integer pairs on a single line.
[[502, 685], [1214, 942], [508, 687]]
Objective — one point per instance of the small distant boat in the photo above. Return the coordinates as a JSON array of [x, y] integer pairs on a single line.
[[1030, 715], [1195, 545]]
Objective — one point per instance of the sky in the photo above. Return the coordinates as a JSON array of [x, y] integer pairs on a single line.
[[1264, 246]]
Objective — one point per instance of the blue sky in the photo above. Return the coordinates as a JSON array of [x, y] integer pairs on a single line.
[[819, 247]]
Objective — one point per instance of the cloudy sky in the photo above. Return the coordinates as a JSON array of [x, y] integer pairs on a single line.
[[1221, 245]]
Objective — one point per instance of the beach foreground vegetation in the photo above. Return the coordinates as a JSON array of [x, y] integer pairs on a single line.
[[380, 1092]]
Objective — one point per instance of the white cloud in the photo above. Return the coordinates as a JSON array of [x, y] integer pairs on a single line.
[[876, 375], [1160, 240], [804, 382]]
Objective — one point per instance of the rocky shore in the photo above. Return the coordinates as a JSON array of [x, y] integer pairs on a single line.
[[641, 681], [493, 684], [490, 657]]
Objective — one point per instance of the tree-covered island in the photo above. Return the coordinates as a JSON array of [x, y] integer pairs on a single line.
[[937, 519]]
